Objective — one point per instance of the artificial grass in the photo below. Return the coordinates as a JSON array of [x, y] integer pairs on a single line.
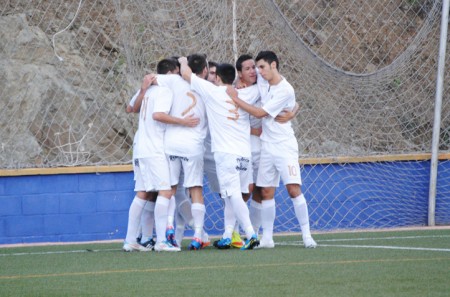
[[287, 270]]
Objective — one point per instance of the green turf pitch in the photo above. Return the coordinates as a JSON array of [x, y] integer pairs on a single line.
[[404, 263]]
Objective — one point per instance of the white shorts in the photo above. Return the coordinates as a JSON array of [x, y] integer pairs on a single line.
[[134, 168], [209, 166], [234, 173], [152, 174], [192, 168], [279, 159]]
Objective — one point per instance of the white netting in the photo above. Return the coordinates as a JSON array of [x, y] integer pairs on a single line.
[[364, 74]]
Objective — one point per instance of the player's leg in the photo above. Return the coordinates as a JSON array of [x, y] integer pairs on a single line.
[[255, 209], [134, 213], [180, 227], [158, 172], [290, 174], [193, 180], [174, 170], [229, 170], [268, 214], [148, 220], [268, 179], [255, 203], [229, 221]]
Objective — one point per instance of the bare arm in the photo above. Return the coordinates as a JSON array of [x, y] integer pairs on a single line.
[[189, 121], [129, 109], [185, 70], [287, 115], [146, 83], [253, 110]]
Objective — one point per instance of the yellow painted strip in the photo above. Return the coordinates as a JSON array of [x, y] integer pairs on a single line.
[[173, 269], [371, 159], [303, 161], [66, 170]]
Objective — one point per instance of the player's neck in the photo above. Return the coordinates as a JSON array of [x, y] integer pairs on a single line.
[[276, 79], [247, 83]]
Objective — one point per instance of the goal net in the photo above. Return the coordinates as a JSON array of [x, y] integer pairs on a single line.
[[364, 73]]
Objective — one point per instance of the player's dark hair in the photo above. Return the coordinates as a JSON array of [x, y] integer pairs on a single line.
[[241, 60], [175, 58], [212, 64], [197, 63], [267, 56], [166, 65], [226, 72]]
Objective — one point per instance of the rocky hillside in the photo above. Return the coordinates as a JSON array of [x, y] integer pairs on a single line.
[[64, 81]]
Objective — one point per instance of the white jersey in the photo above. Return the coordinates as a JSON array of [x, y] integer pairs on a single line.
[[255, 141], [252, 96], [181, 140], [274, 99], [136, 134], [150, 132], [229, 125]]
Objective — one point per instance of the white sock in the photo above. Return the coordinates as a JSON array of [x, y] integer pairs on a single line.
[[185, 210], [139, 233], [268, 212], [255, 215], [180, 227], [198, 213], [242, 214], [148, 221], [301, 212], [171, 212], [229, 218], [134, 219], [236, 227], [161, 208]]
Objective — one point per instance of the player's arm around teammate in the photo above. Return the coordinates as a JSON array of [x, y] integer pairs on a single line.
[[279, 152]]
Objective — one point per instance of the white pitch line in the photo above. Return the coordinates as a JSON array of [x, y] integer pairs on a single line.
[[386, 247], [285, 243], [384, 238], [59, 252]]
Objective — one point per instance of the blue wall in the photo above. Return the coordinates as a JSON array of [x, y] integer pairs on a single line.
[[85, 207]]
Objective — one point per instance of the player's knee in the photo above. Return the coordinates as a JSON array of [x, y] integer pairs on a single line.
[[293, 190], [267, 193]]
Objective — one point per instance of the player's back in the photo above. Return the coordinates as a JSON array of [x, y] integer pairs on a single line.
[[229, 126], [151, 133], [182, 140]]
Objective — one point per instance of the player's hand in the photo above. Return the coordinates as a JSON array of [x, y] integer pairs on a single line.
[[239, 84], [147, 81], [191, 121], [182, 60], [232, 92], [285, 116]]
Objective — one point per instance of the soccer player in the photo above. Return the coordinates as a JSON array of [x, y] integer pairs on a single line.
[[230, 141], [147, 212], [142, 207], [184, 145], [152, 162], [247, 75], [279, 147], [145, 234], [212, 66]]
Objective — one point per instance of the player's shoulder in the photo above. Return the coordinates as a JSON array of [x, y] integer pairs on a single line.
[[286, 87], [250, 92], [158, 90], [175, 78]]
